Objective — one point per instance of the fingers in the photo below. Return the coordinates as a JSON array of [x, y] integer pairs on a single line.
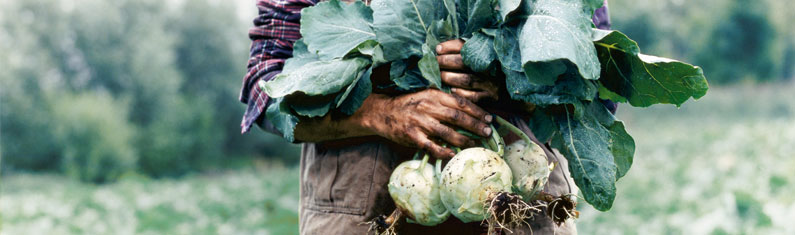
[[431, 147], [450, 47], [463, 120], [451, 61], [468, 81], [463, 104], [475, 96], [449, 135]]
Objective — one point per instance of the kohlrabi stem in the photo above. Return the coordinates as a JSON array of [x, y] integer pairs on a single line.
[[417, 155], [497, 141], [514, 129], [424, 162], [439, 170]]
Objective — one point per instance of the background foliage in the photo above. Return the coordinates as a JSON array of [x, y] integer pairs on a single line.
[[95, 89]]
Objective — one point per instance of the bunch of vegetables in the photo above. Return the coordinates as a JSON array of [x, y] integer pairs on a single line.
[[489, 183], [548, 52]]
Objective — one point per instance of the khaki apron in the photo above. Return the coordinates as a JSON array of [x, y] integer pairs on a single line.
[[344, 186]]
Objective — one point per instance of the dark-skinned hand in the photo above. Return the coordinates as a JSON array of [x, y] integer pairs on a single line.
[[427, 118], [463, 81]]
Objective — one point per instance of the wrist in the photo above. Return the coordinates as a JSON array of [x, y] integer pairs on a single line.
[[366, 119]]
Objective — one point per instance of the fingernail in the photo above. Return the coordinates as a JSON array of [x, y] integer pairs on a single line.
[[453, 90], [486, 131], [488, 118], [439, 48]]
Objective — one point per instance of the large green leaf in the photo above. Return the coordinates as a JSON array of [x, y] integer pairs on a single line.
[[353, 98], [555, 36], [569, 89], [644, 80], [478, 52], [585, 142], [401, 25], [317, 78], [301, 56], [334, 28], [506, 45]]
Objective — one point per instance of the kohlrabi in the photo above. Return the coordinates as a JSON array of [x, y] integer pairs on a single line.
[[414, 186], [471, 179], [528, 164]]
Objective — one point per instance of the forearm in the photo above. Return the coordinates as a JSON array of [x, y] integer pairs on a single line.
[[330, 127]]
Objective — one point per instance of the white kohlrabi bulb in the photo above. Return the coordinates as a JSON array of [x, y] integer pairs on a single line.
[[529, 166], [470, 179], [414, 187]]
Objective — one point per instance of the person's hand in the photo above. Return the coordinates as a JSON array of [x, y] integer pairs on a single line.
[[425, 119], [464, 83]]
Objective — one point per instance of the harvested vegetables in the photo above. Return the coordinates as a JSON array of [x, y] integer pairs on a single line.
[[546, 50]]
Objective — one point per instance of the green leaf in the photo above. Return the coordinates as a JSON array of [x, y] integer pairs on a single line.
[[569, 89], [477, 14], [301, 56], [369, 48], [542, 125], [508, 7], [317, 78], [623, 147], [594, 4], [555, 36], [334, 28], [277, 113], [452, 17], [401, 25], [644, 80], [478, 52], [350, 102], [310, 106], [621, 143], [406, 78], [429, 67], [585, 145], [506, 45]]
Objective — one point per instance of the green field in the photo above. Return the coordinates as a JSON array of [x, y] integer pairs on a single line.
[[722, 165]]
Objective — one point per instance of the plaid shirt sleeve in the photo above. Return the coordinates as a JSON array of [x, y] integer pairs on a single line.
[[275, 30]]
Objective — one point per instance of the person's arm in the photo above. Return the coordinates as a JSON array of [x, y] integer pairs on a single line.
[[276, 28], [422, 119]]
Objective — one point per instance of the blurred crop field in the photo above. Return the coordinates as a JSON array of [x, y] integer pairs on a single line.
[[256, 200], [724, 164]]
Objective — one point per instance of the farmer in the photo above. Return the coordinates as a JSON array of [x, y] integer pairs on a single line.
[[346, 161]]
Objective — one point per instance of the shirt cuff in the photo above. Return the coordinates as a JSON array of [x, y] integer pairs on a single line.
[[258, 101]]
